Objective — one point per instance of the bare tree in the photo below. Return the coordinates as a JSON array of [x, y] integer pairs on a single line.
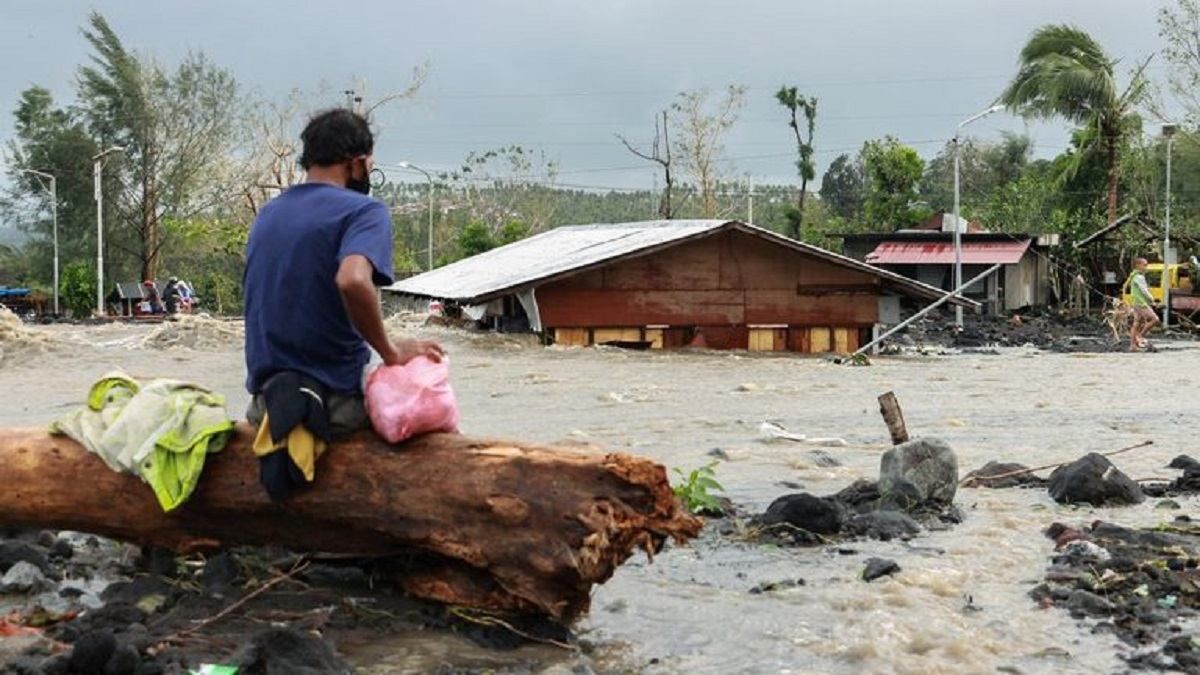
[[660, 153], [271, 163], [702, 127]]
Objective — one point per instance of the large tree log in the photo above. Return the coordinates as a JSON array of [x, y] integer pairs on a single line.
[[490, 524]]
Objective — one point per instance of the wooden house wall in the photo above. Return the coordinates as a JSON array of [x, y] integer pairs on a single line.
[[725, 285]]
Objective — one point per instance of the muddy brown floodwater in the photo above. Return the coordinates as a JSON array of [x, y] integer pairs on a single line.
[[691, 610]]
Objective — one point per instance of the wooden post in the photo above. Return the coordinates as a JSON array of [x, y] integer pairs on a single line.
[[889, 407]]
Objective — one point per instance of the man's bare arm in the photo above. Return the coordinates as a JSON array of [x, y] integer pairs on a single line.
[[357, 287]]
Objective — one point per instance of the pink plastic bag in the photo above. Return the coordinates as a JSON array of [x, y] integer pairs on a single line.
[[410, 400]]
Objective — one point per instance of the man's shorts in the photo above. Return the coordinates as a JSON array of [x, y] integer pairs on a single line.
[[347, 413], [1145, 313]]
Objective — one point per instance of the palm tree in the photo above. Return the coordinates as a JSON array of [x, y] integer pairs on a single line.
[[1065, 73]]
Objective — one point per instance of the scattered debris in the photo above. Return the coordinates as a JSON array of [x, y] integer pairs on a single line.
[[196, 331], [1138, 583]]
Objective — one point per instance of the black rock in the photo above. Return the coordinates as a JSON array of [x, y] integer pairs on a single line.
[[62, 549], [1184, 463], [879, 567], [1081, 602], [982, 477], [286, 651], [92, 652], [768, 586], [819, 515], [59, 664], [221, 573], [160, 561], [883, 525], [861, 496], [902, 496], [13, 552], [1093, 480], [124, 661]]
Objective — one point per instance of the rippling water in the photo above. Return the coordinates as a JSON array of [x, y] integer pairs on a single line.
[[960, 603]]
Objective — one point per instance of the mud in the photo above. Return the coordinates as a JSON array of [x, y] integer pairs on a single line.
[[1047, 330], [959, 603]]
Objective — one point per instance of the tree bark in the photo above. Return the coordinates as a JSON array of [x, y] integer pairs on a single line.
[[501, 526], [1113, 179]]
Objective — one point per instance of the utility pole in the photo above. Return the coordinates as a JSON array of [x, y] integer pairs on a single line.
[[958, 312], [428, 177], [1168, 130], [97, 171], [54, 218], [749, 199]]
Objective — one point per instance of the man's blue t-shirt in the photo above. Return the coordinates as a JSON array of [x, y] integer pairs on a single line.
[[295, 319]]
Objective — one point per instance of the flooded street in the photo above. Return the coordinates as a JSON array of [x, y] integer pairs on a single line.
[[960, 602]]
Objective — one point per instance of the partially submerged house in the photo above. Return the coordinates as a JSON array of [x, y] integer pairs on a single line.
[[926, 254], [663, 284]]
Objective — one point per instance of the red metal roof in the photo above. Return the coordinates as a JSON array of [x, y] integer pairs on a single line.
[[942, 253]]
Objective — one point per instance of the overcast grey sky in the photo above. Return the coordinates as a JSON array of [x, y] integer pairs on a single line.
[[565, 75]]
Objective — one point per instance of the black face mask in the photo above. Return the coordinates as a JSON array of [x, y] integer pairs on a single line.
[[359, 185], [362, 185]]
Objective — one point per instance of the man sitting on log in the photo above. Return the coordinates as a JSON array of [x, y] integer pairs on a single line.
[[315, 257]]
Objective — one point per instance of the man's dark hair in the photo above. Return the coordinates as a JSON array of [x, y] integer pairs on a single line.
[[335, 136]]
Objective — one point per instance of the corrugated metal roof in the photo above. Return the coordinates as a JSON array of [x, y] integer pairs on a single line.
[[942, 253], [568, 250]]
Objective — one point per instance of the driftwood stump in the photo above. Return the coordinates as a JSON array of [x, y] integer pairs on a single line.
[[893, 416], [496, 525]]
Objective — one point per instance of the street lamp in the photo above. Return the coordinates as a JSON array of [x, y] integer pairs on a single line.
[[1168, 130], [414, 167], [97, 168], [958, 310], [54, 218]]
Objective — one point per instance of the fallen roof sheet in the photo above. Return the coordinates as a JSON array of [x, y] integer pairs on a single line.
[[942, 253], [564, 251]]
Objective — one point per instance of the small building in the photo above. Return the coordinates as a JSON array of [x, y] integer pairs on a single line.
[[926, 254], [664, 284]]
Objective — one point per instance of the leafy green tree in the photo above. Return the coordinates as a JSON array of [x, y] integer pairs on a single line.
[[177, 128], [984, 168], [1065, 73], [843, 187], [513, 230], [893, 173], [78, 288], [51, 139], [474, 239], [800, 106]]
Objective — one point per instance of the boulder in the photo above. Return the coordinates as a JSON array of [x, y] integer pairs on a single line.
[[927, 464], [983, 476], [1092, 479], [23, 577], [287, 650], [883, 525], [819, 515], [879, 567]]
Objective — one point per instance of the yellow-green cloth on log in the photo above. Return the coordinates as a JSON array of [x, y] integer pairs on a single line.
[[161, 431]]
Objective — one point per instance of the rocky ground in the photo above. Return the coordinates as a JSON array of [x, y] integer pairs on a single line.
[[77, 604], [1048, 330]]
